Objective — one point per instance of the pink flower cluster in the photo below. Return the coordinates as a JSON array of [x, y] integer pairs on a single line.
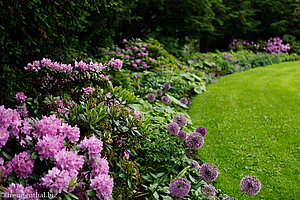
[[115, 63], [22, 164], [275, 45], [20, 97], [52, 135], [88, 91], [236, 43]]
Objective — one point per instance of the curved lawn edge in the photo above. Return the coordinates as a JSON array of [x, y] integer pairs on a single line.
[[253, 124]]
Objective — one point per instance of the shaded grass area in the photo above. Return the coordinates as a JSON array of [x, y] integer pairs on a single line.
[[253, 127]]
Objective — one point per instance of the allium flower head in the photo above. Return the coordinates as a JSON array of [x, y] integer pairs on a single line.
[[166, 100], [194, 165], [184, 101], [159, 92], [173, 128], [195, 141], [182, 135], [250, 185], [20, 97], [180, 120], [94, 146], [179, 187], [103, 184], [201, 130], [209, 191], [151, 97], [167, 86], [22, 164], [208, 172]]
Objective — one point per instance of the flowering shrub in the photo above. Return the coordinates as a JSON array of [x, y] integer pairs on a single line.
[[54, 150]]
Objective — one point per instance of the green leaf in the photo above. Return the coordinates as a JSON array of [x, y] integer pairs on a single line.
[[6, 155], [91, 193], [72, 195], [34, 177], [34, 155], [155, 194], [173, 99]]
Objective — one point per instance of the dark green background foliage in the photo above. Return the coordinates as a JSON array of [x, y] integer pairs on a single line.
[[68, 30]]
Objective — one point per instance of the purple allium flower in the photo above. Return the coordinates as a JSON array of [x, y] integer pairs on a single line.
[[166, 100], [4, 135], [182, 135], [22, 110], [124, 40], [180, 120], [159, 92], [18, 191], [22, 164], [209, 191], [48, 126], [103, 184], [208, 172], [99, 166], [167, 86], [94, 146], [116, 63], [49, 146], [179, 187], [68, 160], [201, 130], [173, 128], [141, 85], [151, 97], [20, 97], [250, 185], [72, 133], [57, 180], [194, 164], [184, 101], [195, 140]]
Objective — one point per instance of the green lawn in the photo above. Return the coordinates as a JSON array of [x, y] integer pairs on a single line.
[[253, 126]]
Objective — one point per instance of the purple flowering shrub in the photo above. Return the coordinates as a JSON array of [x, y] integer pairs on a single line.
[[48, 155]]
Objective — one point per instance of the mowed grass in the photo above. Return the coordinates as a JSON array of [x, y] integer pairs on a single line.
[[253, 126]]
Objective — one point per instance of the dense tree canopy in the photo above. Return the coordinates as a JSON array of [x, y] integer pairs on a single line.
[[33, 29]]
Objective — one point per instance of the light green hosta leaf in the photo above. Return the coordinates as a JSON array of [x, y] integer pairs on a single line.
[[174, 100]]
